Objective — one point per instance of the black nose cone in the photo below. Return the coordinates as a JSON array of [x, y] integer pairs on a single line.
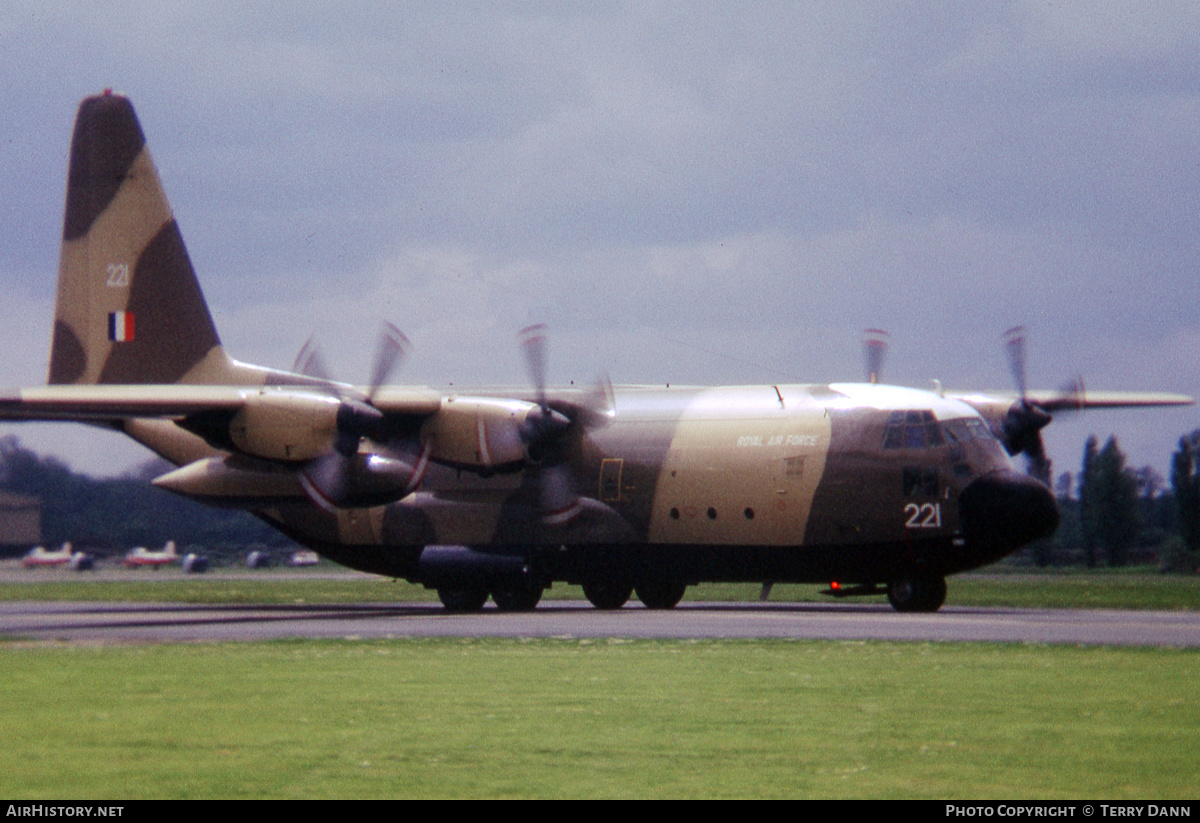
[[1003, 511]]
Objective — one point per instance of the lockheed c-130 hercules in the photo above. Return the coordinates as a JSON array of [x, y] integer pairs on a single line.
[[623, 490]]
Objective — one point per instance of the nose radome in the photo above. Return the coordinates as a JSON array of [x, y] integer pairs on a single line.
[[1005, 510]]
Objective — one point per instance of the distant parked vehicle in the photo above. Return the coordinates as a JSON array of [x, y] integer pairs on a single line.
[[304, 557], [258, 559], [195, 563]]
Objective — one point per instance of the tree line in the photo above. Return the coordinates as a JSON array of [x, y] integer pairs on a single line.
[[1114, 515], [111, 515]]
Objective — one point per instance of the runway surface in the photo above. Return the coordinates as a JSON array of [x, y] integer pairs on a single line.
[[158, 622]]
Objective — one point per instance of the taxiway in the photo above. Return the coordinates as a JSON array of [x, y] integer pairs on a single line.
[[159, 622]]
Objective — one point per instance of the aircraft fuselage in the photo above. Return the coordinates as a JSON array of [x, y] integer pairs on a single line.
[[850, 483]]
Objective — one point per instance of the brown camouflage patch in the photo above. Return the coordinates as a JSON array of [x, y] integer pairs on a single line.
[[174, 328], [106, 141], [68, 361]]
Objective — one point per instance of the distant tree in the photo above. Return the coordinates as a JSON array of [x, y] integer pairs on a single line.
[[1156, 508], [1068, 536], [1118, 503], [1185, 481], [1062, 488], [1108, 503], [1148, 481], [1089, 525]]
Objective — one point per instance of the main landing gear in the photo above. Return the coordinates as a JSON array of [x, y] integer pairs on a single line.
[[606, 593], [463, 600], [519, 597], [660, 594], [919, 593]]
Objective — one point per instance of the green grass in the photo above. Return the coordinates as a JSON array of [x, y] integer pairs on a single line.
[[1071, 590], [266, 589], [1078, 589], [577, 718]]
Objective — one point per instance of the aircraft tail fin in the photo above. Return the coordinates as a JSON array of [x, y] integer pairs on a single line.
[[129, 308]]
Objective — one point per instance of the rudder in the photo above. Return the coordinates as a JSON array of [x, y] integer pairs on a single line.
[[129, 308]]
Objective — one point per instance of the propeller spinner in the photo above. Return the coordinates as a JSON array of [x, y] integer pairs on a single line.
[[344, 478], [543, 434], [1023, 422]]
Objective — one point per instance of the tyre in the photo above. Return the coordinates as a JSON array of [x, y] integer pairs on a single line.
[[660, 594], [917, 593], [470, 599], [607, 593], [518, 598]]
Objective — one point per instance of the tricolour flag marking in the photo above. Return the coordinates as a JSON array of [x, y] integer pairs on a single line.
[[120, 326]]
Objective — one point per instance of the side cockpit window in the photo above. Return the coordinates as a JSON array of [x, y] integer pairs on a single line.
[[963, 429]]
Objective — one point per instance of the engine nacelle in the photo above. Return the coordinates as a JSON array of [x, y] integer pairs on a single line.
[[478, 433], [287, 426]]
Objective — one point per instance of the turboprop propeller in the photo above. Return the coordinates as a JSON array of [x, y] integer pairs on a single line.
[[546, 430], [1021, 427], [544, 434], [344, 477]]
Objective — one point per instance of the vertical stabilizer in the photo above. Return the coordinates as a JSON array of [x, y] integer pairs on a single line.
[[129, 308]]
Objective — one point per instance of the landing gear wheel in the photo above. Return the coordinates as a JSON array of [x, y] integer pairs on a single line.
[[660, 594], [470, 599], [607, 593], [521, 597], [917, 594]]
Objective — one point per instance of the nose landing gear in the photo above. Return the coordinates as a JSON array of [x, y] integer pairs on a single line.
[[918, 593]]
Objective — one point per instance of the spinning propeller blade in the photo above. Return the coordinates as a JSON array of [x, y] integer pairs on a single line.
[[875, 345], [344, 478], [1023, 423], [545, 433]]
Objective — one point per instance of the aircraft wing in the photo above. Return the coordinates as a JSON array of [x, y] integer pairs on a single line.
[[997, 402], [1056, 401], [113, 402]]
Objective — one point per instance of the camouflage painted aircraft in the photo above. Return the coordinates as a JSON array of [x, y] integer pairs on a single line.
[[866, 487]]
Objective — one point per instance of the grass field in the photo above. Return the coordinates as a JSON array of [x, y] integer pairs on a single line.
[[574, 718], [578, 718]]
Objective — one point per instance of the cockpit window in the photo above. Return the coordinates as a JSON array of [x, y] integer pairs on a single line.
[[912, 430], [962, 429], [919, 429]]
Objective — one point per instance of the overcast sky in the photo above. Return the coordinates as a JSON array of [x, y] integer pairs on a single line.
[[686, 192]]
